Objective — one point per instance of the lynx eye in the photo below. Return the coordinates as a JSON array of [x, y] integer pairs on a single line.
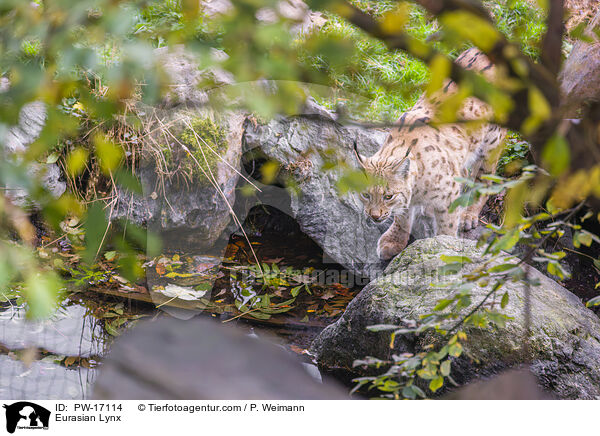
[[365, 196], [388, 197]]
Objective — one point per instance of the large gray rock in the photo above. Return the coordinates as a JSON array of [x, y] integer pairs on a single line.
[[579, 78], [564, 345], [186, 196], [202, 359], [14, 140], [187, 80], [303, 145]]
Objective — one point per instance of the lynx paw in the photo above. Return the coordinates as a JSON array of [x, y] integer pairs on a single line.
[[386, 248], [469, 222]]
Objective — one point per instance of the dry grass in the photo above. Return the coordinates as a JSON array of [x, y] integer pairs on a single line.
[[580, 11]]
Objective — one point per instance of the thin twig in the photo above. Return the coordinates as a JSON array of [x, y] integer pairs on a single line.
[[523, 260], [232, 212]]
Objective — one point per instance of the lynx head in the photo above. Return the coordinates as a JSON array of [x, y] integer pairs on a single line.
[[392, 192]]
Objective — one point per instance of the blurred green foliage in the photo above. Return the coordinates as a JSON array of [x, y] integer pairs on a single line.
[[83, 61], [88, 61]]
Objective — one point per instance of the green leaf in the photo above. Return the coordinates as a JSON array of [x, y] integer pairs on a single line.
[[445, 368], [407, 392], [41, 292], [259, 315], [540, 111], [504, 300], [354, 181], [455, 350], [440, 70], [442, 304], [498, 318], [109, 154], [381, 327], [110, 329], [129, 181], [52, 158], [418, 391], [436, 383], [502, 268], [296, 290], [110, 255], [556, 155], [451, 268], [95, 228], [508, 241], [593, 302], [582, 237], [472, 28], [76, 161], [269, 171], [464, 200], [450, 259], [555, 269]]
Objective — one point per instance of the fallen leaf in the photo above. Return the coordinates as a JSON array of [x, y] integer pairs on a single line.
[[181, 292], [298, 350], [328, 295], [120, 279], [70, 361]]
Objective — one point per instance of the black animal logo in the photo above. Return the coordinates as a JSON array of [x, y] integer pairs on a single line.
[[26, 414]]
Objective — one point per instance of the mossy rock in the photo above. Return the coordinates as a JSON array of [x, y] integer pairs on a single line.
[[206, 141], [564, 341]]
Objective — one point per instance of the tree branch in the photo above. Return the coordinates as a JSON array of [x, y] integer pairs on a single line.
[[520, 68], [552, 42]]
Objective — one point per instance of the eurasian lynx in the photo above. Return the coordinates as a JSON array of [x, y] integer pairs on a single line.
[[419, 164]]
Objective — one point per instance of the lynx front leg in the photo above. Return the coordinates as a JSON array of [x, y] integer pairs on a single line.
[[489, 153], [470, 216], [395, 239], [447, 223]]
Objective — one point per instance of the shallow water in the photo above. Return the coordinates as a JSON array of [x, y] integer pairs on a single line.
[[72, 333]]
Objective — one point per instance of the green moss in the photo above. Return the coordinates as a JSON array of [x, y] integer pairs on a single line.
[[206, 141]]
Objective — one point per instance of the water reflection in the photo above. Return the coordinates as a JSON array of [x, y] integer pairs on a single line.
[[71, 333]]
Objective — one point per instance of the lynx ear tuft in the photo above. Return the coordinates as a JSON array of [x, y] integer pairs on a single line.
[[361, 160]]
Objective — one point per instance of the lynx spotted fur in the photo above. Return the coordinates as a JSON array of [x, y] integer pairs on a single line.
[[419, 164]]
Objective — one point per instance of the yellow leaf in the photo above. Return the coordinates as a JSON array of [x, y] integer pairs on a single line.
[[539, 110], [109, 154], [501, 103], [76, 161], [575, 187], [440, 68], [556, 155], [514, 204], [269, 172], [394, 21], [417, 47], [436, 383], [451, 105], [473, 28], [174, 274]]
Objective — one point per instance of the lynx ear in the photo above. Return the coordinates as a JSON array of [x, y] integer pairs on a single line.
[[361, 160], [401, 168]]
